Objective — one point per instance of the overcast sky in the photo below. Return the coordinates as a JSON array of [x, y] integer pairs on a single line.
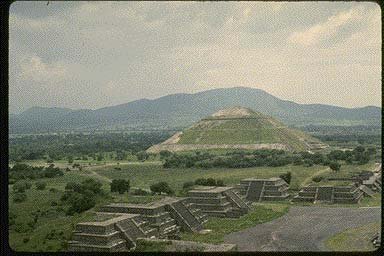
[[96, 54]]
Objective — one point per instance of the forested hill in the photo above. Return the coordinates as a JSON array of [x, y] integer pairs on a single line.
[[177, 111]]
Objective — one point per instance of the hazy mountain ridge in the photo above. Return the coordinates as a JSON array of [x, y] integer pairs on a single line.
[[181, 110]]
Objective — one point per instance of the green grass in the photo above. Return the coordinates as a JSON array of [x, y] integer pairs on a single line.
[[354, 239], [152, 246], [144, 175], [371, 201], [222, 226], [244, 131]]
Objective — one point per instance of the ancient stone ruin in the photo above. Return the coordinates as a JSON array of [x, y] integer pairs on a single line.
[[218, 201], [127, 222], [329, 194], [256, 190]]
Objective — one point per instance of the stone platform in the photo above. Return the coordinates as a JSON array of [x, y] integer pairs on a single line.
[[329, 194], [257, 190], [175, 211], [218, 201], [117, 233]]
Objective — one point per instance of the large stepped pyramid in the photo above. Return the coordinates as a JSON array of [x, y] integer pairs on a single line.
[[238, 128]]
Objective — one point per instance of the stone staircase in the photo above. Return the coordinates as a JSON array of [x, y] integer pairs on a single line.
[[185, 217], [244, 208]]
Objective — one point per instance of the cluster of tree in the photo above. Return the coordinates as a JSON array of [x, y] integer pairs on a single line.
[[81, 196], [267, 157], [66, 146], [161, 187], [363, 134], [209, 182], [120, 185], [24, 171]]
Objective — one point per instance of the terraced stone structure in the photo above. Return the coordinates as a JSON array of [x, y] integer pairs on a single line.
[[373, 182], [257, 190], [167, 215], [218, 201], [121, 224], [330, 194], [117, 232]]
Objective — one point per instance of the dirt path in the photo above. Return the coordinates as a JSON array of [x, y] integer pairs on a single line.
[[302, 229]]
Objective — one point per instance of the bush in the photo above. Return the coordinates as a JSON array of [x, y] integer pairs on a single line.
[[286, 177], [209, 182], [140, 192], [40, 185], [317, 178], [19, 197], [335, 166], [21, 186], [80, 202], [188, 184], [142, 156], [161, 187], [120, 185]]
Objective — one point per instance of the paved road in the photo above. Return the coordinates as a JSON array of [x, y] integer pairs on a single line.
[[302, 229]]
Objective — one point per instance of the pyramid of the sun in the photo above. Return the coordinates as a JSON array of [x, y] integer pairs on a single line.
[[238, 128]]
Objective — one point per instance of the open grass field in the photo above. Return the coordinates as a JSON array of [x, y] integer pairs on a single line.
[[145, 175], [221, 226], [354, 239]]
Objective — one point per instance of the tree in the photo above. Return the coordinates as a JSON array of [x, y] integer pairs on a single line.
[[335, 166], [161, 187], [120, 185], [164, 154], [19, 197], [188, 184], [100, 157], [142, 156], [70, 159], [21, 186], [40, 185]]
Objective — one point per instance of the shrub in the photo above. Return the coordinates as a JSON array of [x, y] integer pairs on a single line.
[[142, 156], [335, 166], [19, 197], [80, 202], [317, 178], [140, 192], [21, 186], [220, 183], [120, 185], [161, 187], [40, 185], [188, 184], [286, 177]]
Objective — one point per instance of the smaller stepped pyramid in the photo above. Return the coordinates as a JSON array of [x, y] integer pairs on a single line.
[[347, 194], [218, 201], [257, 190], [117, 233], [163, 213], [238, 128]]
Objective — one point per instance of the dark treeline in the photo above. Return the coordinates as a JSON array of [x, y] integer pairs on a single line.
[[363, 134], [23, 171], [58, 147], [266, 157]]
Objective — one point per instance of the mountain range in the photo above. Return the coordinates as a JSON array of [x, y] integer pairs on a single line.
[[178, 111]]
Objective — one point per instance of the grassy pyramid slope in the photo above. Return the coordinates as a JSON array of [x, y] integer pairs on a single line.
[[242, 126]]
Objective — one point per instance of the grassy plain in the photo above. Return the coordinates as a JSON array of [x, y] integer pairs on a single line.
[[221, 226], [354, 239]]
